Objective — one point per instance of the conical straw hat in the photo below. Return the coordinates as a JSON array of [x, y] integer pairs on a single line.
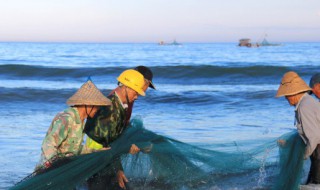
[[291, 84], [88, 94]]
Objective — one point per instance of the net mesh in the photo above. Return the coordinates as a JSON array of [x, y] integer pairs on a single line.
[[165, 163]]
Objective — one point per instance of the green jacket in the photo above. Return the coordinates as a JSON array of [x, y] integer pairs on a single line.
[[108, 123]]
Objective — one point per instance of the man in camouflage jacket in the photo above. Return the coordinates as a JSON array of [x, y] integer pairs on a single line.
[[109, 122]]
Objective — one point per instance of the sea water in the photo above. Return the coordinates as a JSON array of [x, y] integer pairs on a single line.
[[207, 94]]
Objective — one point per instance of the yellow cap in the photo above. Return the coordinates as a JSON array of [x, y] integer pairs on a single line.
[[132, 79]]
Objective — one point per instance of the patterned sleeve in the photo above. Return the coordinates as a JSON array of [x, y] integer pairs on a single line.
[[55, 136]]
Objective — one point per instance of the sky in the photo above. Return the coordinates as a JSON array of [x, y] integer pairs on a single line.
[[159, 20]]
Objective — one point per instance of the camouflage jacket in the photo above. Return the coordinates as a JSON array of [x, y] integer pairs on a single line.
[[108, 123], [65, 135]]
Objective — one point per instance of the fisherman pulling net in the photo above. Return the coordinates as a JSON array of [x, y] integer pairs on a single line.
[[165, 163]]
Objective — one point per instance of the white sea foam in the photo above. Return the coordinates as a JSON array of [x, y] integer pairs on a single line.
[[169, 88]]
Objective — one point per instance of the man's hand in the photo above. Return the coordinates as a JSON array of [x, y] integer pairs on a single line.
[[134, 149], [122, 179]]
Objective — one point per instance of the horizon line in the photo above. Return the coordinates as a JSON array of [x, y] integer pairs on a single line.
[[147, 42]]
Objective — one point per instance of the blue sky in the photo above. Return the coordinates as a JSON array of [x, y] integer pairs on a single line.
[[155, 20]]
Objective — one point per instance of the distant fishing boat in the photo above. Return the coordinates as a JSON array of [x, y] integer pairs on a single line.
[[246, 42], [266, 43], [174, 43]]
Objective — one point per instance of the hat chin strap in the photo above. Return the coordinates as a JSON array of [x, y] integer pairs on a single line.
[[88, 114], [127, 98]]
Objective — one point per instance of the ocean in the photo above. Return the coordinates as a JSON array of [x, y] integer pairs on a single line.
[[207, 94]]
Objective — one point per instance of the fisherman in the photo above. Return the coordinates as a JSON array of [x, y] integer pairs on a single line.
[[315, 84], [148, 75], [307, 119], [109, 123], [65, 135]]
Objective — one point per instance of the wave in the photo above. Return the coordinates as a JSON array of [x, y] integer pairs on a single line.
[[162, 72], [37, 95], [186, 97], [207, 71], [42, 72]]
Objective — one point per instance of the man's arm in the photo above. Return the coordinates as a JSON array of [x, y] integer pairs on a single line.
[[54, 138]]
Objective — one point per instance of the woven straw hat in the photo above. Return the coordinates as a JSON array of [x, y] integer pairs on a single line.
[[291, 84], [88, 94]]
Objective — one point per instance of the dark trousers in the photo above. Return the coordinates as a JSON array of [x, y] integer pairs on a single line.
[[314, 174]]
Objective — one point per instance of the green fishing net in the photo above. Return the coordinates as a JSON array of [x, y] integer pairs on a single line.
[[165, 163], [291, 162]]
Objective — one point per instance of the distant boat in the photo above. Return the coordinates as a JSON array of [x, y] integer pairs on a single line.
[[266, 43], [174, 43], [246, 42]]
